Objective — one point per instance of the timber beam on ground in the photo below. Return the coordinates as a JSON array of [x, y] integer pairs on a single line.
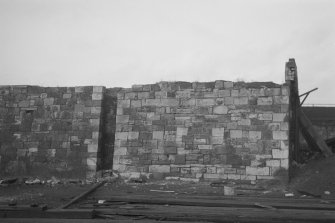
[[189, 209], [246, 203]]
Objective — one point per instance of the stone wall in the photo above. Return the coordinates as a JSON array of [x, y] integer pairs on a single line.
[[49, 131], [215, 130]]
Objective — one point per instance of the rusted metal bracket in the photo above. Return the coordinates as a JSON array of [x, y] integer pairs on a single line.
[[306, 95]]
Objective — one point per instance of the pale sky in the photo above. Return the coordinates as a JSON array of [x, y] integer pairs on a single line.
[[117, 43]]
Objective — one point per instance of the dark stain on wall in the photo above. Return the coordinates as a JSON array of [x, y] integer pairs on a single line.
[[108, 114]]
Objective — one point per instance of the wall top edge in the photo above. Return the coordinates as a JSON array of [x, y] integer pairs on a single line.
[[165, 85], [181, 85]]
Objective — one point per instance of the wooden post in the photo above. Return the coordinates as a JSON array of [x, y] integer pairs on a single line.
[[291, 78]]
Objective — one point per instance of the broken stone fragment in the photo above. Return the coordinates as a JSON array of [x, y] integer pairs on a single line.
[[32, 182]]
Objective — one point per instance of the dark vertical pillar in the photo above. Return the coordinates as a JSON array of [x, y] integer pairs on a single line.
[[291, 78], [108, 124]]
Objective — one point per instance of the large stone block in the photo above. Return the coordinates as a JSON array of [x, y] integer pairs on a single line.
[[255, 171], [255, 135], [152, 102], [169, 102], [221, 109], [228, 84], [91, 161], [205, 147], [284, 163], [143, 95], [224, 93], [233, 176], [92, 148], [272, 163], [120, 151], [285, 90], [274, 126], [284, 126], [205, 102], [136, 103], [218, 132], [133, 135], [181, 131], [182, 151], [235, 134], [244, 122], [123, 103], [217, 140], [123, 119], [228, 100], [241, 101], [214, 176], [281, 100], [264, 101], [130, 95], [48, 101], [159, 168], [170, 150], [121, 135], [280, 135], [98, 89], [97, 96], [265, 116], [279, 117], [279, 154]]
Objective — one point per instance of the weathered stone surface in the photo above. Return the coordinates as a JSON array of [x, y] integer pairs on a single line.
[[218, 132], [241, 101], [255, 135], [220, 109], [157, 126], [279, 154], [280, 135], [264, 101], [273, 163], [279, 117], [159, 168], [60, 125], [205, 102], [235, 133], [257, 171]]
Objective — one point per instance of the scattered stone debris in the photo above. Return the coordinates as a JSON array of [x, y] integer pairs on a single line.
[[218, 184], [8, 181], [309, 194], [12, 202], [289, 195], [327, 192], [33, 181]]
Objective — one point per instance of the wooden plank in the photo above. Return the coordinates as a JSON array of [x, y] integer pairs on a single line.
[[223, 214], [54, 213], [212, 197], [82, 195], [50, 220], [311, 136], [23, 207], [218, 203]]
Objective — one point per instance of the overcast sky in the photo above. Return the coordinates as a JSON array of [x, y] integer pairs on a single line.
[[117, 43]]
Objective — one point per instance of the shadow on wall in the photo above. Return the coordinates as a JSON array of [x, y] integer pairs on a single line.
[[108, 123]]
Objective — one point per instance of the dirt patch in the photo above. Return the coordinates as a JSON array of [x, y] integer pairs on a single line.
[[316, 177], [313, 179], [40, 194]]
